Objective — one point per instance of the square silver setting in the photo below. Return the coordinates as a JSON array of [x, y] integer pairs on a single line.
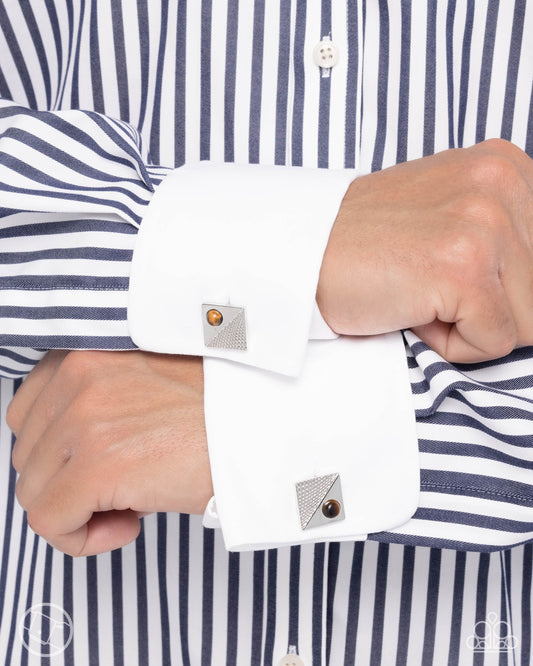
[[312, 494], [231, 333]]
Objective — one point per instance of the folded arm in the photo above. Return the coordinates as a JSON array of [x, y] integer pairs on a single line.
[[436, 277]]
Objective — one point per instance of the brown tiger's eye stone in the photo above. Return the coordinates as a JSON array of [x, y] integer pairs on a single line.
[[331, 508], [214, 317]]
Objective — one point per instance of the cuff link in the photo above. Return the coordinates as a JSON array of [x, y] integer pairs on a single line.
[[320, 501], [224, 327]]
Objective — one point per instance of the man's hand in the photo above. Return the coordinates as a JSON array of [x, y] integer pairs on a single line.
[[104, 437], [441, 245]]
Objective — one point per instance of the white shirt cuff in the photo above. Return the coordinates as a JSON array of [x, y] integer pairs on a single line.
[[246, 241], [349, 413]]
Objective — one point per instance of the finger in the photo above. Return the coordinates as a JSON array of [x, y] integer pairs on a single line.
[[105, 531], [31, 388], [63, 514], [46, 407], [43, 461], [485, 330], [503, 148], [517, 280]]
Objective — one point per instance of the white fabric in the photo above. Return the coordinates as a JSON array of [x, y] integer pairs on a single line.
[[266, 432], [249, 236], [319, 328], [254, 237]]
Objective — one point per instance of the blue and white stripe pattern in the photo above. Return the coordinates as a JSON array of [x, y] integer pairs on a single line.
[[236, 81], [61, 160], [474, 425], [74, 189]]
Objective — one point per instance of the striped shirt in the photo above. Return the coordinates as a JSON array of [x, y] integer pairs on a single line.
[[234, 81]]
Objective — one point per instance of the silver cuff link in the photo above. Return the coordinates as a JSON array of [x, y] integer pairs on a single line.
[[224, 327], [320, 501]]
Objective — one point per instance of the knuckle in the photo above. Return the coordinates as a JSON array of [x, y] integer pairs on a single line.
[[501, 146], [13, 418], [467, 253], [37, 521], [472, 268], [498, 145], [491, 170], [483, 221], [17, 459], [475, 207]]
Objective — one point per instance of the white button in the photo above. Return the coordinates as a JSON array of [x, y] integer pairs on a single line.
[[326, 53], [291, 660]]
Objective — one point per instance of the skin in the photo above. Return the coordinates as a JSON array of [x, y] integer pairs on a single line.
[[441, 245], [104, 438]]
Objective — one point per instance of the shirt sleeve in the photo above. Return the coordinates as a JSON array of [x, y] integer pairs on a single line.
[[291, 424], [227, 262], [73, 190], [330, 455]]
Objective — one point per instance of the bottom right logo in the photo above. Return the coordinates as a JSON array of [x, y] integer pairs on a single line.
[[492, 635]]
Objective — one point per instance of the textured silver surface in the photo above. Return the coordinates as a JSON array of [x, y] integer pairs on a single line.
[[231, 334], [311, 494]]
